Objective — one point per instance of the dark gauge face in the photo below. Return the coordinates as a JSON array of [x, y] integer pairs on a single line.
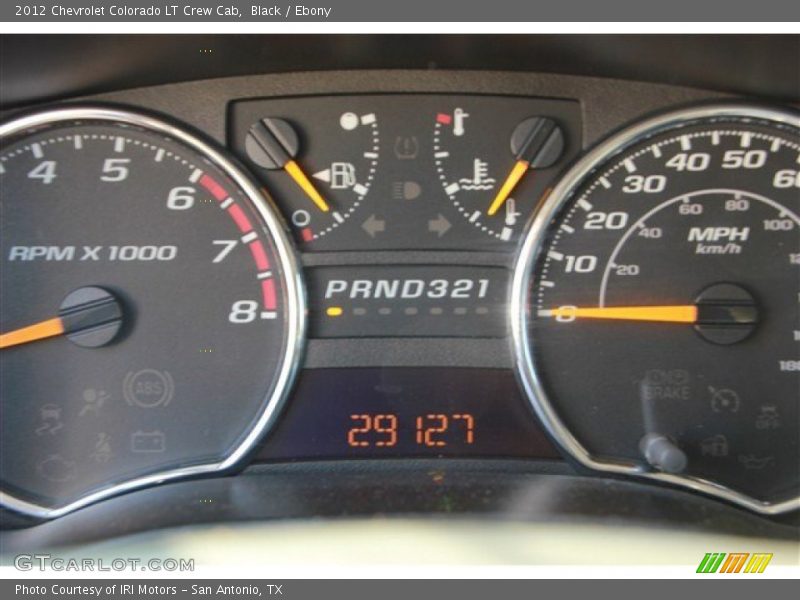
[[322, 177], [486, 165], [659, 322], [405, 171], [150, 309]]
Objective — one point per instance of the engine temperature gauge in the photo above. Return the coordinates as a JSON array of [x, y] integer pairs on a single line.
[[480, 168]]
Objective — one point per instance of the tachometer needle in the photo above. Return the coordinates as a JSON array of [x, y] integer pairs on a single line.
[[519, 169], [38, 331], [89, 316], [664, 314], [302, 180]]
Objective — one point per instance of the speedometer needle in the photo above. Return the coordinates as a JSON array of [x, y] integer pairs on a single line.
[[31, 333], [664, 314]]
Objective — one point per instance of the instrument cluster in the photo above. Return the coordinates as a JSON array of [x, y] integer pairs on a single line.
[[344, 278]]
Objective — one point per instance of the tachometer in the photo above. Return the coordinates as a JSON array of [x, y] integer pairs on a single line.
[[656, 304], [151, 310]]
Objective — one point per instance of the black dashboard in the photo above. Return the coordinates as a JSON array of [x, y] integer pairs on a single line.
[[544, 278]]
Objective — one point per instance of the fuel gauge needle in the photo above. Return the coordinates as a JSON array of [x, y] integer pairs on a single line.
[[273, 144], [38, 331], [663, 314], [302, 180]]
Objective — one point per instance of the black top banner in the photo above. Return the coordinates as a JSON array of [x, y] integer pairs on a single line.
[[443, 11]]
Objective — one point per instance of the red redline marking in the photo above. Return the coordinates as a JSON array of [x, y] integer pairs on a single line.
[[259, 255], [444, 119], [241, 220], [212, 186], [307, 234], [268, 291]]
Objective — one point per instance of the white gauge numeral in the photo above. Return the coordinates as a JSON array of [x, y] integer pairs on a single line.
[[603, 220], [580, 264], [44, 171], [650, 184], [115, 169], [180, 198], [227, 247], [786, 178], [683, 161], [744, 159], [243, 311]]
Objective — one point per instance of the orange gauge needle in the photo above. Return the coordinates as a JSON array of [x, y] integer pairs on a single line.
[[31, 333], [664, 314], [89, 316], [519, 169], [273, 144], [537, 143], [302, 180]]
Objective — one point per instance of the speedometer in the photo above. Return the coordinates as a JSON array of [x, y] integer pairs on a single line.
[[151, 310], [656, 304]]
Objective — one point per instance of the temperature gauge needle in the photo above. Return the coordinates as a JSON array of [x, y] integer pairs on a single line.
[[32, 333], [664, 314], [520, 168], [537, 143]]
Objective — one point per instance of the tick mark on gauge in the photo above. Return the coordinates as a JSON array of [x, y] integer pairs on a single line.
[[119, 145], [360, 189], [585, 204], [371, 155], [555, 255], [195, 176], [605, 183], [441, 154], [226, 203], [77, 141], [249, 237], [452, 188], [36, 149]]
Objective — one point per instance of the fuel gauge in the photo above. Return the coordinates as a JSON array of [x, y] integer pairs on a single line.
[[319, 180]]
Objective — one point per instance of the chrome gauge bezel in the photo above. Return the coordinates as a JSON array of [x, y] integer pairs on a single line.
[[532, 243], [284, 251]]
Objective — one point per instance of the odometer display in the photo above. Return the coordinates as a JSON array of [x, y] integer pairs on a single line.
[[658, 309], [150, 309]]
